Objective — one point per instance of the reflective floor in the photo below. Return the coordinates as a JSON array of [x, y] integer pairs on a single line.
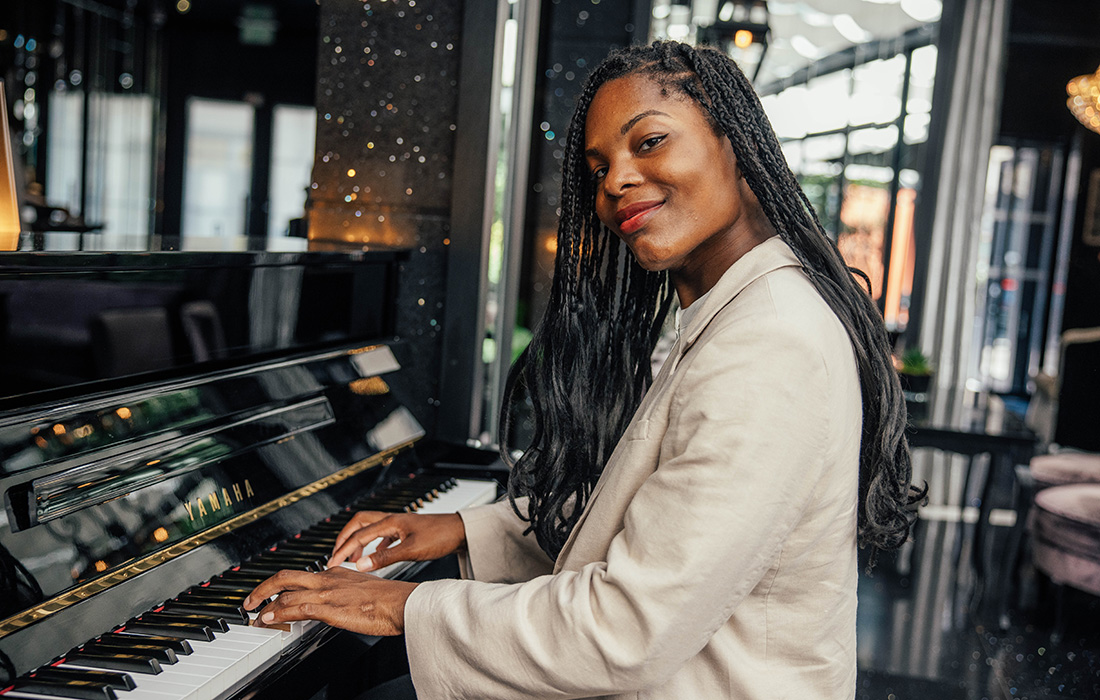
[[928, 630]]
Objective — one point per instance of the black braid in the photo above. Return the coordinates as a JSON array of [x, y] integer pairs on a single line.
[[587, 366]]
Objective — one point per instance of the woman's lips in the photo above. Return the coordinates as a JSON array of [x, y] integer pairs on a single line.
[[634, 217]]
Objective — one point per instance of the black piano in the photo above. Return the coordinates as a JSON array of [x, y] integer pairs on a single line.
[[173, 430]]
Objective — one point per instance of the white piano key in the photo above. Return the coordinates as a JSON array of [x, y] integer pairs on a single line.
[[466, 493], [151, 687]]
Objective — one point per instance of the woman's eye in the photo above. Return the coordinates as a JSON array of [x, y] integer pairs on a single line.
[[599, 173], [651, 142]]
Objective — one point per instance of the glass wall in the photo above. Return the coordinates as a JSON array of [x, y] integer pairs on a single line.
[[217, 173], [853, 138], [294, 132], [113, 214]]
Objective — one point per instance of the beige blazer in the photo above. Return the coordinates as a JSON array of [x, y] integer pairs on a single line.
[[717, 555]]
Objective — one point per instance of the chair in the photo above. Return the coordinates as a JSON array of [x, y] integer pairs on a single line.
[[1056, 496], [1065, 530], [1065, 467], [131, 340]]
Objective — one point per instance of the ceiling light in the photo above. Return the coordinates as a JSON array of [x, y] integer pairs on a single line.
[[816, 19], [923, 10], [850, 29], [804, 47]]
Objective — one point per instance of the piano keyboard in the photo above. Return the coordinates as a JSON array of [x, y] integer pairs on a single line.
[[199, 645]]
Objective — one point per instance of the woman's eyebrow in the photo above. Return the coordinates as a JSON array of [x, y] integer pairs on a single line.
[[595, 153], [638, 117]]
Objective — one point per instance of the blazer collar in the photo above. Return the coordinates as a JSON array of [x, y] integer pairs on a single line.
[[770, 255]]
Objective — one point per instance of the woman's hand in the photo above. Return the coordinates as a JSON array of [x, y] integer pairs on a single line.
[[339, 597], [405, 537]]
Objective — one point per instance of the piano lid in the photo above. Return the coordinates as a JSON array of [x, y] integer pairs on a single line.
[[100, 490], [74, 323]]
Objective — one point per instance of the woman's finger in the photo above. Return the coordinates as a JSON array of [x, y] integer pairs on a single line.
[[353, 545], [288, 607], [286, 580], [386, 554], [351, 550], [357, 522]]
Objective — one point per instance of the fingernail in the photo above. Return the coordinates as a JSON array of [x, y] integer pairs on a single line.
[[267, 616], [247, 603], [364, 564]]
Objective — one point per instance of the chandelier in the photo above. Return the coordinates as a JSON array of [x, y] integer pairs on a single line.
[[1084, 99]]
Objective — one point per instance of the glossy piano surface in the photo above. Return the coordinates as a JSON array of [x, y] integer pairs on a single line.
[[122, 499]]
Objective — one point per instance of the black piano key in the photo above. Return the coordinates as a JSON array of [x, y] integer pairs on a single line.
[[214, 622], [134, 663], [121, 681], [267, 569], [328, 535], [326, 528], [161, 654], [230, 612], [203, 595], [199, 633], [410, 493], [85, 690], [223, 609], [226, 588], [290, 560], [316, 540], [238, 577], [306, 540], [182, 647], [319, 548]]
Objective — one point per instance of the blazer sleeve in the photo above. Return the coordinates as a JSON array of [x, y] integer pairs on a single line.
[[496, 549], [739, 463]]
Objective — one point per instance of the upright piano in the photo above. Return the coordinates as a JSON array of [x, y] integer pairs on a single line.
[[157, 461]]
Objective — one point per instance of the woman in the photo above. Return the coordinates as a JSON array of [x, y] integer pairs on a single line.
[[699, 542]]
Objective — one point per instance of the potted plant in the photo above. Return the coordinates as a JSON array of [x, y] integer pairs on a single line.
[[915, 372]]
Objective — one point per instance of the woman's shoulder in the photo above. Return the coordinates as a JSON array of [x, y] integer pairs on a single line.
[[784, 306]]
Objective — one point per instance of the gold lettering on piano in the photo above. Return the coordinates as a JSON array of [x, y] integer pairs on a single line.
[[213, 501]]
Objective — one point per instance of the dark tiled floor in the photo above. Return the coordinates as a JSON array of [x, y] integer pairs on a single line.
[[924, 634]]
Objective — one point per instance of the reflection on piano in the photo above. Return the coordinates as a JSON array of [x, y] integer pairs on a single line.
[[137, 519]]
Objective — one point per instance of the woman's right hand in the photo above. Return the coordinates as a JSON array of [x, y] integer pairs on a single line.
[[405, 537]]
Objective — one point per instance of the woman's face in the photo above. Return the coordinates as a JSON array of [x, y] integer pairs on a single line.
[[667, 185]]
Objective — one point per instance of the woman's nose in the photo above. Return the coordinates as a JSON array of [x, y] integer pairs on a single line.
[[621, 177]]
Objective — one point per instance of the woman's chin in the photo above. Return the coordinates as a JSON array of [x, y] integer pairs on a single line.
[[650, 261]]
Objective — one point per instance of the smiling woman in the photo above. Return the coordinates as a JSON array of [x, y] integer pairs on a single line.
[[698, 542]]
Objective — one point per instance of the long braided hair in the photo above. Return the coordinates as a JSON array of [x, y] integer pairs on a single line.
[[588, 364]]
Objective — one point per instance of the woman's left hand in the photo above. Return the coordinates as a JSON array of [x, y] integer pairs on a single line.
[[340, 597]]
